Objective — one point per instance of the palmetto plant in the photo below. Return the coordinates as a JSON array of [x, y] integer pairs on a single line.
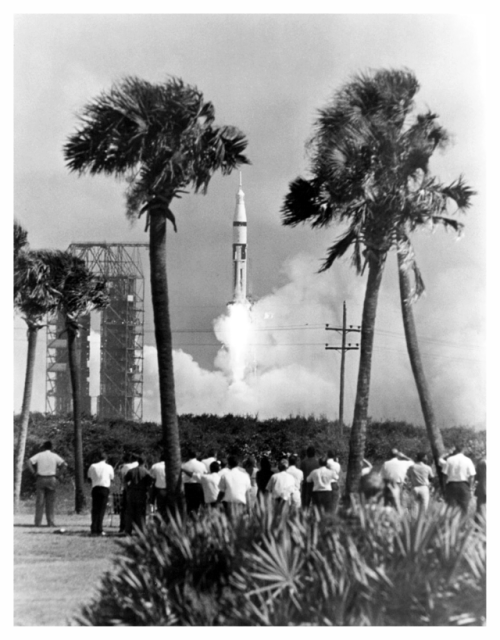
[[162, 138], [78, 292], [34, 298], [369, 164]]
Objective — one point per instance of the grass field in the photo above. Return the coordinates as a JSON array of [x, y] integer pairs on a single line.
[[54, 573]]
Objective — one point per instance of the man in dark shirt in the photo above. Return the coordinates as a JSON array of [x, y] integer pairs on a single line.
[[137, 484], [308, 464]]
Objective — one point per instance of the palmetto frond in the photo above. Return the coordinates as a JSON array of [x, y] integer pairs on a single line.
[[33, 292], [338, 249], [161, 136], [20, 238]]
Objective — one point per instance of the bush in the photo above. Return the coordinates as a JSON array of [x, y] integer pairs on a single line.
[[269, 568]]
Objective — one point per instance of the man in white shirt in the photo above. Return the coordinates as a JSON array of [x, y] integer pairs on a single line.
[[298, 476], [419, 477], [325, 492], [46, 462], [100, 474], [460, 474], [210, 484], [192, 487], [160, 486], [393, 473], [281, 485], [233, 488], [211, 457]]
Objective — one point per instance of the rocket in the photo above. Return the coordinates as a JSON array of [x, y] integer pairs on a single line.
[[240, 248]]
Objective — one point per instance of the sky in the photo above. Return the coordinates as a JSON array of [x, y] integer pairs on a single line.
[[267, 74]]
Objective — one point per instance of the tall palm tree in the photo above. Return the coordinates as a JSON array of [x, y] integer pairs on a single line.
[[162, 138], [369, 165], [78, 291], [33, 299]]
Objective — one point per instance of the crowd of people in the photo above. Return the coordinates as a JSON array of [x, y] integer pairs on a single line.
[[235, 484]]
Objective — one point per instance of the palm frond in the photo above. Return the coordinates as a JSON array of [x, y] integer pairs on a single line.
[[338, 249]]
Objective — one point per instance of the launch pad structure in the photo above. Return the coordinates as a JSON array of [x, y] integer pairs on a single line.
[[122, 338]]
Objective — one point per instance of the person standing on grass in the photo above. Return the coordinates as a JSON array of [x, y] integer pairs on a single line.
[[159, 490], [129, 462], [137, 481], [393, 473], [308, 464], [298, 476], [192, 470], [481, 487], [460, 474], [419, 477], [47, 463], [325, 488], [233, 488], [281, 485], [100, 474], [210, 484]]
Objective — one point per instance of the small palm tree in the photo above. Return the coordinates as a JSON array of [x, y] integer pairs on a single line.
[[33, 299], [369, 161], [162, 138], [78, 291]]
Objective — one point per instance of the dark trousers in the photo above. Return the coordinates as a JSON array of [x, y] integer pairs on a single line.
[[324, 500], [100, 497], [458, 495], [135, 513], [194, 496], [160, 499], [307, 492], [123, 511], [45, 499]]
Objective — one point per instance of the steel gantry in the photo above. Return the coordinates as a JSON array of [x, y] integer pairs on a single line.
[[122, 337]]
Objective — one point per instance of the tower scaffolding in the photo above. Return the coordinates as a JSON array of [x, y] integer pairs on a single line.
[[122, 336]]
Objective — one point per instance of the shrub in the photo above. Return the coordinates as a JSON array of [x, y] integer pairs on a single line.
[[275, 568]]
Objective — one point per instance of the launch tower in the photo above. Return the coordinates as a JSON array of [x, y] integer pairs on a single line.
[[122, 338]]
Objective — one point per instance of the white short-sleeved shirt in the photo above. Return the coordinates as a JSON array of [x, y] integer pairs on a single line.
[[395, 470], [210, 484], [195, 467], [207, 462], [459, 468], [281, 485], [101, 474], [158, 473], [322, 478], [235, 483], [46, 462], [420, 475], [334, 466], [297, 475]]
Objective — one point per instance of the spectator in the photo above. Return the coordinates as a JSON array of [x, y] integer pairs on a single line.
[[481, 487], [233, 488], [100, 474], [250, 467], [460, 474], [281, 484], [419, 477], [129, 462], [159, 489], [193, 469], [263, 475], [393, 474], [325, 488], [298, 476], [47, 463], [211, 457], [137, 482], [309, 464], [210, 484]]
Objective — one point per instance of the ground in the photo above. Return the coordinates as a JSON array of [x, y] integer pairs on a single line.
[[55, 573]]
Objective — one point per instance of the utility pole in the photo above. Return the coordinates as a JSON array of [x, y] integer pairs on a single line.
[[344, 330]]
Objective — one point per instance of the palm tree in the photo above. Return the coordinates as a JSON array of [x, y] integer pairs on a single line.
[[79, 291], [162, 138], [34, 299], [369, 162]]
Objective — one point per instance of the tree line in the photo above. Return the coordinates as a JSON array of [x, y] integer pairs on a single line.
[[369, 157]]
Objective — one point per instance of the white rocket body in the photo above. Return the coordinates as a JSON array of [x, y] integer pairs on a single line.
[[240, 249]]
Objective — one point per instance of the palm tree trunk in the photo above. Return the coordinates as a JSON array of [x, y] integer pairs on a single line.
[[360, 419], [25, 414], [163, 334], [433, 432], [77, 422]]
